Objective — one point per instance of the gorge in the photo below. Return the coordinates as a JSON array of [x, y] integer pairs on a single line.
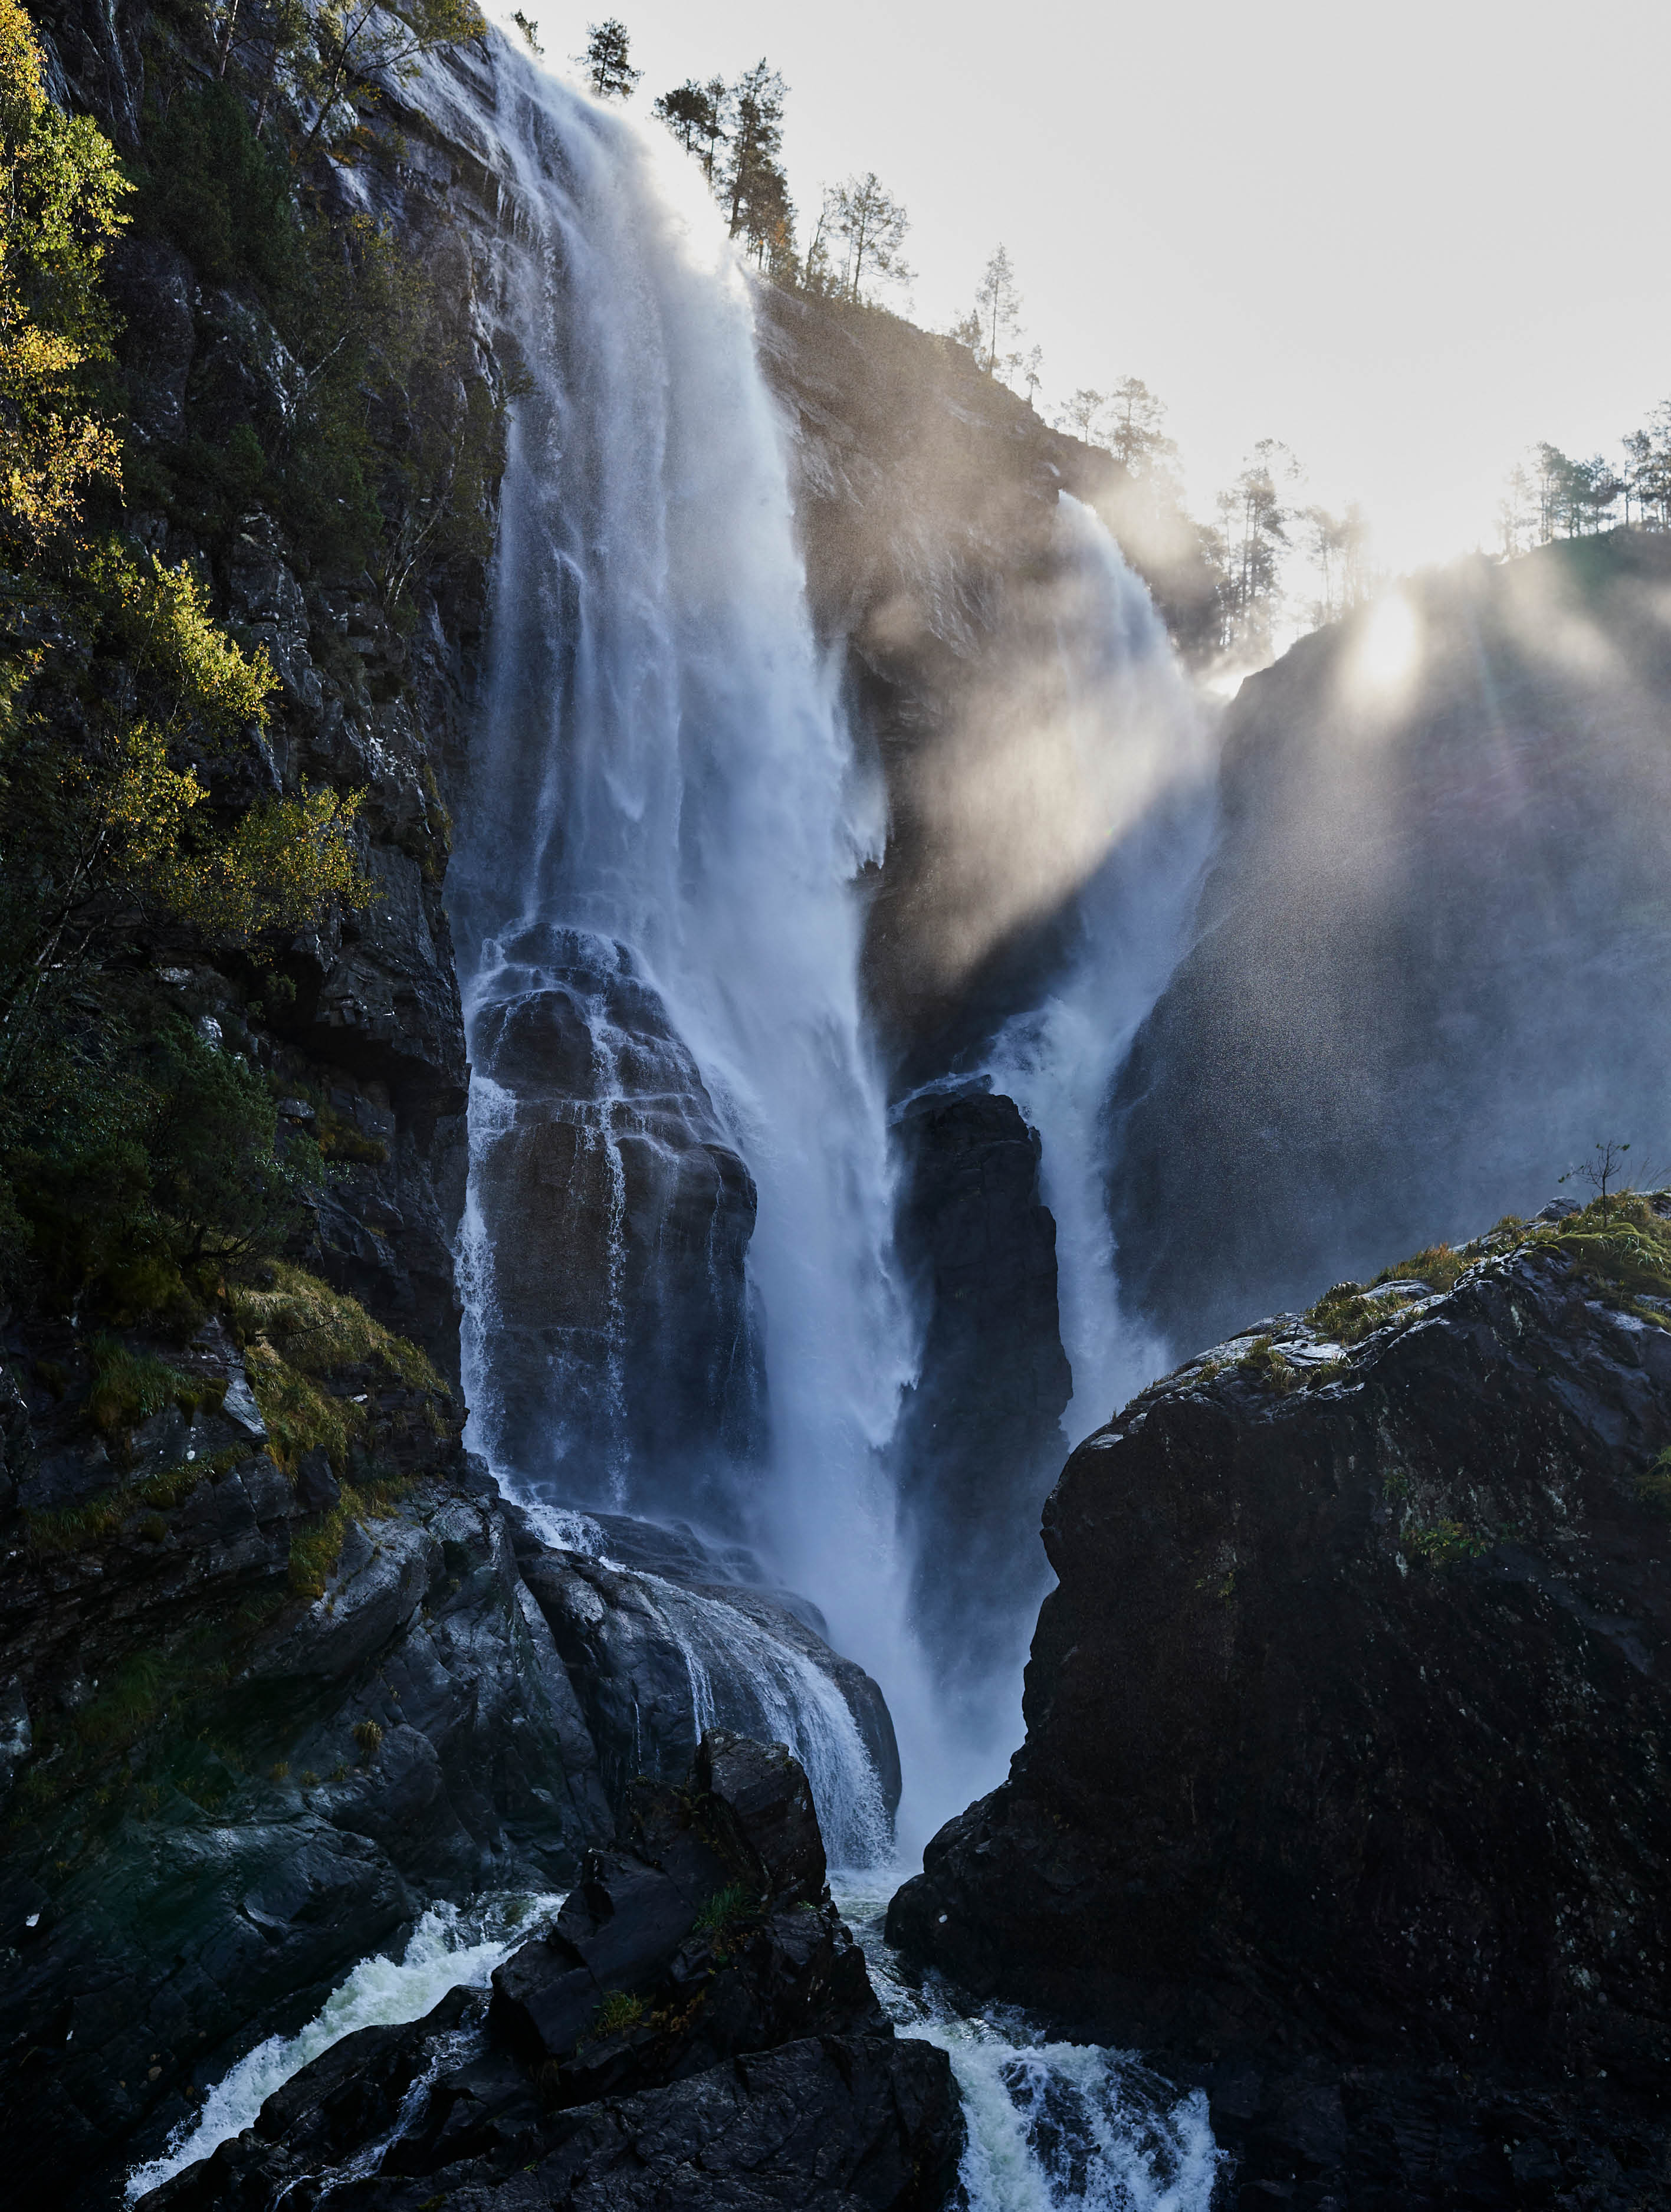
[[841, 1015]]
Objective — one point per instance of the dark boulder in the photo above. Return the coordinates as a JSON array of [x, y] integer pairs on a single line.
[[698, 2027], [1347, 1722], [980, 1439]]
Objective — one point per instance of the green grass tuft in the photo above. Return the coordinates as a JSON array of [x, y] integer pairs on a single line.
[[1267, 1364]]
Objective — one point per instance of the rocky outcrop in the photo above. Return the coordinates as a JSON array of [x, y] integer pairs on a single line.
[[237, 1792], [254, 1723], [927, 496], [1431, 967], [1347, 1730], [696, 2027], [980, 1440], [639, 1639], [607, 1150]]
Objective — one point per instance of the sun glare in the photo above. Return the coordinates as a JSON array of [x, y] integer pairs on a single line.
[[1388, 650]]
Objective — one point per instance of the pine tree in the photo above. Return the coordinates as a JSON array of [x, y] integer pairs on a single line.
[[607, 60], [694, 113], [997, 312], [753, 178], [874, 226]]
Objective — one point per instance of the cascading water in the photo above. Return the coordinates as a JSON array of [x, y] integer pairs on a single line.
[[1144, 754], [448, 1949], [676, 1246], [1051, 2126]]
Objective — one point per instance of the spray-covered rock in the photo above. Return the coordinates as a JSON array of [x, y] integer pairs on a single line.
[[698, 2022]]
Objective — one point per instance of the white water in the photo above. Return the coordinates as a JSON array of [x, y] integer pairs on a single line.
[[1143, 753], [662, 764], [450, 1948], [1052, 2126]]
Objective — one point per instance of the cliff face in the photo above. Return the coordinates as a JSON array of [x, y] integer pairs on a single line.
[[268, 1688], [980, 1438], [927, 494], [1347, 1732], [1430, 970]]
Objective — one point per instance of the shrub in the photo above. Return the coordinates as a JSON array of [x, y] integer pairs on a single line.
[[368, 1734], [1266, 1364], [616, 2013], [1444, 1543]]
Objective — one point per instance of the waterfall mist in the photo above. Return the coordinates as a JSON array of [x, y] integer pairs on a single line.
[[658, 922], [681, 1296], [1142, 758]]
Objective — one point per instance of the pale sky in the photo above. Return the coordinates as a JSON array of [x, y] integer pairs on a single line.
[[1406, 240]]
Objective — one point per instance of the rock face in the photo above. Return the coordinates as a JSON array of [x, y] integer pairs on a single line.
[[1347, 1729], [926, 497], [246, 1791], [1431, 961], [224, 1794], [696, 2027], [606, 1149], [980, 1441]]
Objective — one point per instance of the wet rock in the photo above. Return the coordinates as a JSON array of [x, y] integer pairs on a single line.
[[1342, 1720], [980, 1440], [696, 2028], [628, 1640], [614, 1155], [151, 284]]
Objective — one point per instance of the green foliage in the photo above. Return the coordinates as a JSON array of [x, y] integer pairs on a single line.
[[61, 193], [212, 189], [726, 1909], [615, 2014], [368, 1734], [1444, 1543], [128, 1386], [146, 1172], [1266, 1364]]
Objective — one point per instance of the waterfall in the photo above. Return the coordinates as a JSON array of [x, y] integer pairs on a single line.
[[677, 1249], [677, 1256], [1144, 752]]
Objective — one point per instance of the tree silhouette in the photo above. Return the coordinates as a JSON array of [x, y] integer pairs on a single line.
[[607, 60], [695, 114], [997, 315], [874, 226]]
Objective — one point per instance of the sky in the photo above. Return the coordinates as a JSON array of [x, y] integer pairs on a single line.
[[1406, 241]]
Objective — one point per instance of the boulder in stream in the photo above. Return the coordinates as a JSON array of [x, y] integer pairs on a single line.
[[696, 2028]]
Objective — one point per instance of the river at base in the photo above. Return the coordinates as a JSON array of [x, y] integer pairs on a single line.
[[1051, 2125], [452, 1947]]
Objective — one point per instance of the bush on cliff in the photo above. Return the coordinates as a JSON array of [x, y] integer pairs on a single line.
[[136, 1163]]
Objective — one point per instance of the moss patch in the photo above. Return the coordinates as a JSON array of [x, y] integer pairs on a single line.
[[108, 1513], [297, 1332], [1436, 1265], [1620, 1244], [314, 1551]]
